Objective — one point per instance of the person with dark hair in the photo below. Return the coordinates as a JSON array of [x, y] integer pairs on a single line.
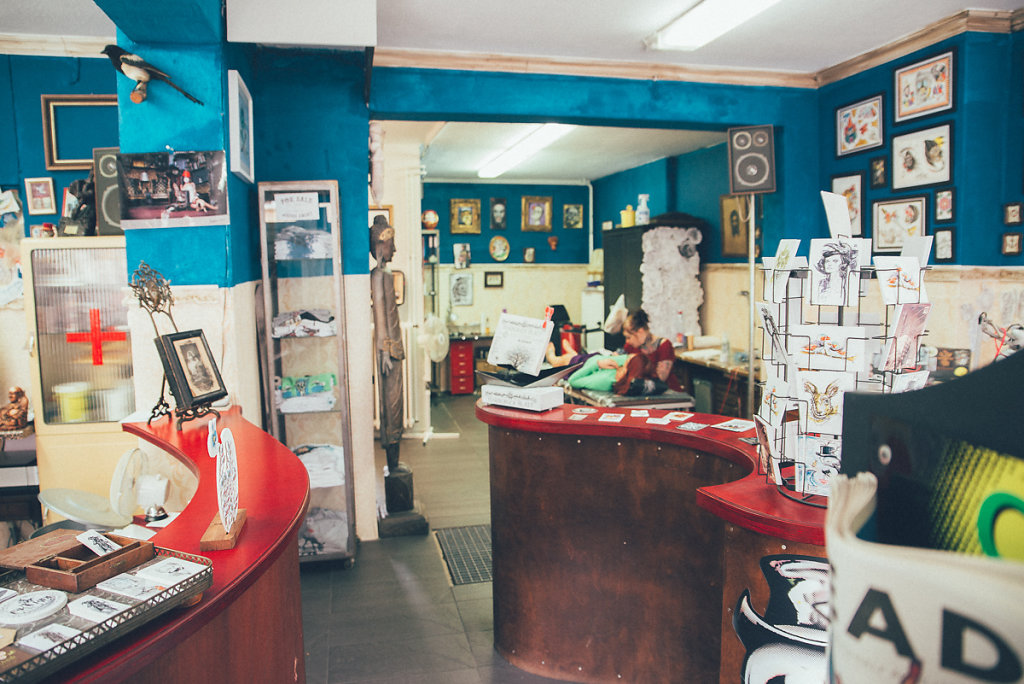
[[653, 364]]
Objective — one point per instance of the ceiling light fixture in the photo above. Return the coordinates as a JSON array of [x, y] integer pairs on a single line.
[[704, 22], [530, 144]]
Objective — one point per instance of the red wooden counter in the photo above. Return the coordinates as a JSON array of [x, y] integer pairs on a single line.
[[620, 548], [248, 625]]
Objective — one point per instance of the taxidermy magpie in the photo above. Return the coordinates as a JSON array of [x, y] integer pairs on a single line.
[[140, 71]]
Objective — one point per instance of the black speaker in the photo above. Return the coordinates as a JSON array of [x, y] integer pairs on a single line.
[[751, 159], [108, 196]]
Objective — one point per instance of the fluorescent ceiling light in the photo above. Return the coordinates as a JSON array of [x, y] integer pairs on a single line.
[[530, 144], [704, 22]]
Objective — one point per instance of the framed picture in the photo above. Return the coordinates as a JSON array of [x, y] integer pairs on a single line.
[[852, 188], [498, 248], [243, 155], [461, 289], [399, 281], [572, 216], [173, 189], [192, 373], [499, 213], [68, 206], [923, 157], [1013, 214], [461, 255], [1012, 243], [945, 245], [895, 220], [66, 119], [465, 215], [529, 254], [494, 279], [384, 211], [537, 213], [924, 88], [735, 224], [877, 170], [944, 205], [859, 126], [39, 196]]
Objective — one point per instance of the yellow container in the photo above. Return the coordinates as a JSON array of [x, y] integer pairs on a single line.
[[72, 401], [627, 217]]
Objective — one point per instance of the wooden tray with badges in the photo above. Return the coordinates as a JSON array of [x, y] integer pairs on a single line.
[[59, 601]]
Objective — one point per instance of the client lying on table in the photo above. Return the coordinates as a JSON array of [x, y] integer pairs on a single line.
[[628, 374]]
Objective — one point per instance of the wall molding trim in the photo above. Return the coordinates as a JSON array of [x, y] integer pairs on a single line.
[[44, 45]]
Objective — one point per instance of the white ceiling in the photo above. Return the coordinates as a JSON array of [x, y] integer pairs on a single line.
[[797, 36]]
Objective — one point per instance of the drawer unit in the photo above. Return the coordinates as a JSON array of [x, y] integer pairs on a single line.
[[460, 359]]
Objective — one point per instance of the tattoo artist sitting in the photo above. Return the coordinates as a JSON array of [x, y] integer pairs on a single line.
[[655, 357]]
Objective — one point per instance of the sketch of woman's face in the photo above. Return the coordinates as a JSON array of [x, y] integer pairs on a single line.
[[832, 264]]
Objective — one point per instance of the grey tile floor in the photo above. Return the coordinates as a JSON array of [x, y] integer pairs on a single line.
[[394, 615]]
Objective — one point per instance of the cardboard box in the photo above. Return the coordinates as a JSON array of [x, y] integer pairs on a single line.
[[530, 398]]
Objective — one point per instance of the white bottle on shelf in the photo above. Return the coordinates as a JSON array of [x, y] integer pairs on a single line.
[[643, 212], [723, 356]]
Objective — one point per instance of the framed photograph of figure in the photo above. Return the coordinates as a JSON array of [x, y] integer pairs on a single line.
[[851, 187], [536, 214], [859, 126], [924, 87], [243, 154], [499, 213], [894, 220], [945, 244], [923, 157], [192, 374], [1012, 244], [877, 172], [465, 216], [735, 213], [944, 205], [1013, 213], [39, 196], [572, 216]]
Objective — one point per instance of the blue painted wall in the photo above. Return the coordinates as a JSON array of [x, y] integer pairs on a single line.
[[987, 150], [612, 193], [573, 244]]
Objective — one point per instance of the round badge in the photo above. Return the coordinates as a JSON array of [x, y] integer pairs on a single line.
[[584, 409]]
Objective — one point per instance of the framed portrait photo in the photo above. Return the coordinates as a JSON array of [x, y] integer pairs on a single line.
[[944, 205], [735, 212], [498, 248], [924, 157], [499, 213], [536, 214], [243, 155], [924, 88], [39, 196], [851, 187], [859, 126], [572, 216], [1012, 244], [1013, 213], [494, 279], [465, 216], [877, 173], [893, 221], [384, 211], [192, 374], [945, 245]]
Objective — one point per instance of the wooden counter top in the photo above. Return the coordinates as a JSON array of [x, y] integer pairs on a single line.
[[748, 502], [253, 605]]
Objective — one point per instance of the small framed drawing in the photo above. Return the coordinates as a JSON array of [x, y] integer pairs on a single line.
[[536, 214], [465, 216], [924, 88], [735, 224], [859, 126], [944, 205], [923, 157], [243, 155], [1012, 244], [498, 248], [945, 244], [192, 373], [572, 216], [878, 179], [461, 289], [1013, 213], [851, 187], [895, 220], [494, 279], [39, 192]]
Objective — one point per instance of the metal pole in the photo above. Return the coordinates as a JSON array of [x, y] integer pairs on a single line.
[[750, 301]]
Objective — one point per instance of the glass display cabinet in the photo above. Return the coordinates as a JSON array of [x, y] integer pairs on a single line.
[[76, 310], [305, 376]]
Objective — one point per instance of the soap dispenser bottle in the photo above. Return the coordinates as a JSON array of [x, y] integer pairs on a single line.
[[643, 213]]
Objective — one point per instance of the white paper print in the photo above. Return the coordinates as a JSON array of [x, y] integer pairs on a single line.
[[639, 413], [97, 543], [578, 416], [766, 444], [6, 593], [130, 586], [612, 417], [664, 420], [785, 257], [822, 457], [770, 325], [899, 279], [919, 247], [520, 342], [170, 571], [908, 382], [679, 415], [901, 349], [35, 605], [96, 609], [49, 636], [828, 347], [774, 401], [838, 213], [820, 399], [835, 272], [691, 427], [735, 425]]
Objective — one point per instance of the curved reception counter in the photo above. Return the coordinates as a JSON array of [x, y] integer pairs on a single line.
[[621, 546], [247, 627]]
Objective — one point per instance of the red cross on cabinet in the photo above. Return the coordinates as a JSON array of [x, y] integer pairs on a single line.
[[96, 337]]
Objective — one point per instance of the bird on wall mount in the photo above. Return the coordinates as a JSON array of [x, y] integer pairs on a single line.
[[140, 71]]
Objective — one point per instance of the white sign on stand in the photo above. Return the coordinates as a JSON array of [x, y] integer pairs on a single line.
[[520, 342]]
